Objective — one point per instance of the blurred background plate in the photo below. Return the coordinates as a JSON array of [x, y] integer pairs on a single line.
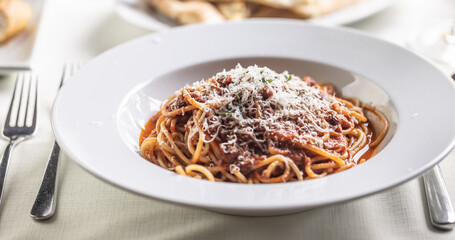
[[138, 13], [16, 54]]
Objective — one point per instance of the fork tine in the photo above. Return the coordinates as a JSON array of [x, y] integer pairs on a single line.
[[28, 98], [19, 105], [8, 116], [36, 103], [64, 74]]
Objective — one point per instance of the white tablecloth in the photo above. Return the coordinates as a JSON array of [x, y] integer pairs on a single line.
[[89, 208]]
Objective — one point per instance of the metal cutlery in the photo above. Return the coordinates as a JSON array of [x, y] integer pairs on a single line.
[[20, 122], [45, 201], [440, 208]]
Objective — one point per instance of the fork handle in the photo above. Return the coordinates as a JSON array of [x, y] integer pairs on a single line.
[[44, 206], [439, 206], [4, 164]]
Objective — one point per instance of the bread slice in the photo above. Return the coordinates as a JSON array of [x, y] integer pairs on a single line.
[[298, 8], [234, 10], [14, 18], [188, 12], [314, 8]]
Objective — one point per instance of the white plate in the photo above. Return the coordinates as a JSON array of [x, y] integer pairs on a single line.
[[98, 114], [16, 54], [138, 13]]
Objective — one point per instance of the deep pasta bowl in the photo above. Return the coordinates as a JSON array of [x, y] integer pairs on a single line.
[[98, 115]]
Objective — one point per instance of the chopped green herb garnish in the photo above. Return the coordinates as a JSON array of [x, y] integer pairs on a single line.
[[288, 78], [229, 112], [266, 80]]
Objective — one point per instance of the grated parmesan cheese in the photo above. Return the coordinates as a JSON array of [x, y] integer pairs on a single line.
[[248, 108]]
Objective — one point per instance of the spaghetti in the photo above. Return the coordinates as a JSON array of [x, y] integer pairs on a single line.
[[253, 125]]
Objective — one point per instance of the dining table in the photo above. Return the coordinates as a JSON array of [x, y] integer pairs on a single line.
[[90, 208]]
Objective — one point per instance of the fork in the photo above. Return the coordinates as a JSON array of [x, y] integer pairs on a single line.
[[45, 201], [20, 122]]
